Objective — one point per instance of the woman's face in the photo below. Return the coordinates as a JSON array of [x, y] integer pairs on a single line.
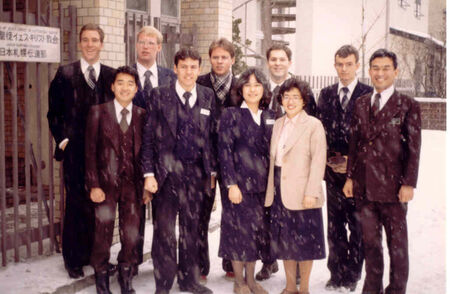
[[252, 91], [292, 102]]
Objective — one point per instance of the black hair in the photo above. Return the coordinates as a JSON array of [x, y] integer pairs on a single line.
[[126, 70], [295, 82], [236, 92], [384, 53], [185, 53]]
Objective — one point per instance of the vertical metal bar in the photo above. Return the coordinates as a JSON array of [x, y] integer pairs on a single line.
[[134, 34], [2, 161], [61, 177], [127, 39], [27, 150], [39, 140], [51, 194], [73, 33]]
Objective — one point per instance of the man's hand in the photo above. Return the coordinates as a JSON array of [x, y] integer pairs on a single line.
[[348, 188], [406, 193], [64, 145], [213, 182], [338, 164], [151, 184], [147, 197], [234, 194], [309, 201], [97, 195]]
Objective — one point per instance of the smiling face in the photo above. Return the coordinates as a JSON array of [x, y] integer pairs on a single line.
[[147, 48], [90, 46], [382, 73], [292, 101], [278, 64], [252, 91], [187, 71], [221, 61], [346, 68], [124, 88]]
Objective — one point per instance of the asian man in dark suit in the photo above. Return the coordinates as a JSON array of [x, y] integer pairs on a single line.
[[74, 89], [114, 178], [148, 45], [178, 165], [335, 110], [221, 81], [382, 172]]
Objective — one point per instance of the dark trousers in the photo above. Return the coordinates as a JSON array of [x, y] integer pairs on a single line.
[[266, 256], [183, 194], [205, 217], [226, 263], [140, 245], [78, 230], [391, 216], [129, 220], [345, 257]]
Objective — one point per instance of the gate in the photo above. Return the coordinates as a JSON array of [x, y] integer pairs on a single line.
[[31, 215]]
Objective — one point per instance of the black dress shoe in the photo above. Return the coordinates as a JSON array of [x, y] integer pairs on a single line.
[[350, 285], [161, 291], [266, 271], [102, 282], [75, 272], [196, 289], [112, 269], [125, 278], [332, 285]]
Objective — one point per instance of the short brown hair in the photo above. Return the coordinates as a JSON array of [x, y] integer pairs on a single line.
[[345, 51], [224, 44], [278, 46], [93, 27]]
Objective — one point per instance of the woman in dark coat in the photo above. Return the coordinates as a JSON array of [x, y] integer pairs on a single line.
[[294, 189], [244, 136]]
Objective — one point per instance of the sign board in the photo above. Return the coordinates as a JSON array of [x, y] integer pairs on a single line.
[[27, 43]]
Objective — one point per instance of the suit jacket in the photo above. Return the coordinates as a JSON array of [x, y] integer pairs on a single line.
[[165, 77], [336, 122], [244, 149], [103, 160], [70, 98], [160, 132], [384, 152], [303, 164]]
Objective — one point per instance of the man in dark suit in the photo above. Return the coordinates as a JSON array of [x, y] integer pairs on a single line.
[[148, 45], [221, 81], [335, 110], [74, 89], [113, 177], [382, 171], [177, 162]]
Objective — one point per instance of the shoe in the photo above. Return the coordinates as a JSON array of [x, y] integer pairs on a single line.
[[125, 278], [196, 289], [102, 282], [203, 279], [161, 291], [258, 289], [75, 272], [241, 289], [229, 276], [266, 271], [112, 269], [285, 291], [332, 285], [351, 286]]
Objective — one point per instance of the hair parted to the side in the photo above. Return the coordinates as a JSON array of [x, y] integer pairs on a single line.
[[236, 92], [224, 44], [126, 70], [278, 46], [150, 31], [93, 27], [384, 53], [346, 51], [185, 53]]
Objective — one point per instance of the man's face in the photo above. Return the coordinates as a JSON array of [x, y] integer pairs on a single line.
[[187, 72], [346, 68], [90, 46], [147, 48], [382, 73], [279, 64], [124, 88], [221, 61]]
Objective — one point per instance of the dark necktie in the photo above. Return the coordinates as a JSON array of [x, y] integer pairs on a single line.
[[345, 100], [376, 104], [123, 121], [186, 96], [91, 78], [274, 98], [147, 83]]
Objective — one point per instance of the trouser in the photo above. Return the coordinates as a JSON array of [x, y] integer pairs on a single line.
[[205, 217]]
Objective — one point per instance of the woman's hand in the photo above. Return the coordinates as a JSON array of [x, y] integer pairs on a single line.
[[234, 194], [309, 201]]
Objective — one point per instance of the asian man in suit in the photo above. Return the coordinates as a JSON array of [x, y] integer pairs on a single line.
[[148, 45], [178, 165], [335, 110], [113, 177], [382, 172], [74, 89]]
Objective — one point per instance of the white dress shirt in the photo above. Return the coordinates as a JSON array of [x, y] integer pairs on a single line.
[[181, 91], [351, 87], [385, 95], [154, 76], [119, 108], [288, 126], [256, 116]]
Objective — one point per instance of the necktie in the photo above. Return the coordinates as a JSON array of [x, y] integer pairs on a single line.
[[274, 97], [376, 104], [147, 83], [345, 100], [123, 121], [186, 96], [91, 78]]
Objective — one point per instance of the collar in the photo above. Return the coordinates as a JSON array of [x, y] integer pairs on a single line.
[[273, 84], [385, 95], [180, 91], [142, 69], [292, 120], [119, 108], [220, 78], [84, 66], [256, 117], [351, 87]]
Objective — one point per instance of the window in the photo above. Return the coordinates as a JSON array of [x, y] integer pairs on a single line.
[[170, 7], [140, 5]]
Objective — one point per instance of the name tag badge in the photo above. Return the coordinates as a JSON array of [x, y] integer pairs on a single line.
[[204, 111], [270, 121], [395, 121]]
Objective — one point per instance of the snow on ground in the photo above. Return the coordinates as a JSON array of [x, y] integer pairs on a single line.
[[426, 223]]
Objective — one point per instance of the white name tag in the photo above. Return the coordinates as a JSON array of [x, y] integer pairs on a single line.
[[270, 121], [204, 111]]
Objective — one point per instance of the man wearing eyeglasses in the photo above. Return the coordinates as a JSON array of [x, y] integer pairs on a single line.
[[335, 110], [148, 44]]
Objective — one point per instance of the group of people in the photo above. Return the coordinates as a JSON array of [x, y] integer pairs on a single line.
[[144, 133]]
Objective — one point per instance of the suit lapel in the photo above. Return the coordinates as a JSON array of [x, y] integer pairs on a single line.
[[200, 118], [169, 108], [111, 127], [136, 124], [276, 136], [389, 110], [139, 78], [297, 132]]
